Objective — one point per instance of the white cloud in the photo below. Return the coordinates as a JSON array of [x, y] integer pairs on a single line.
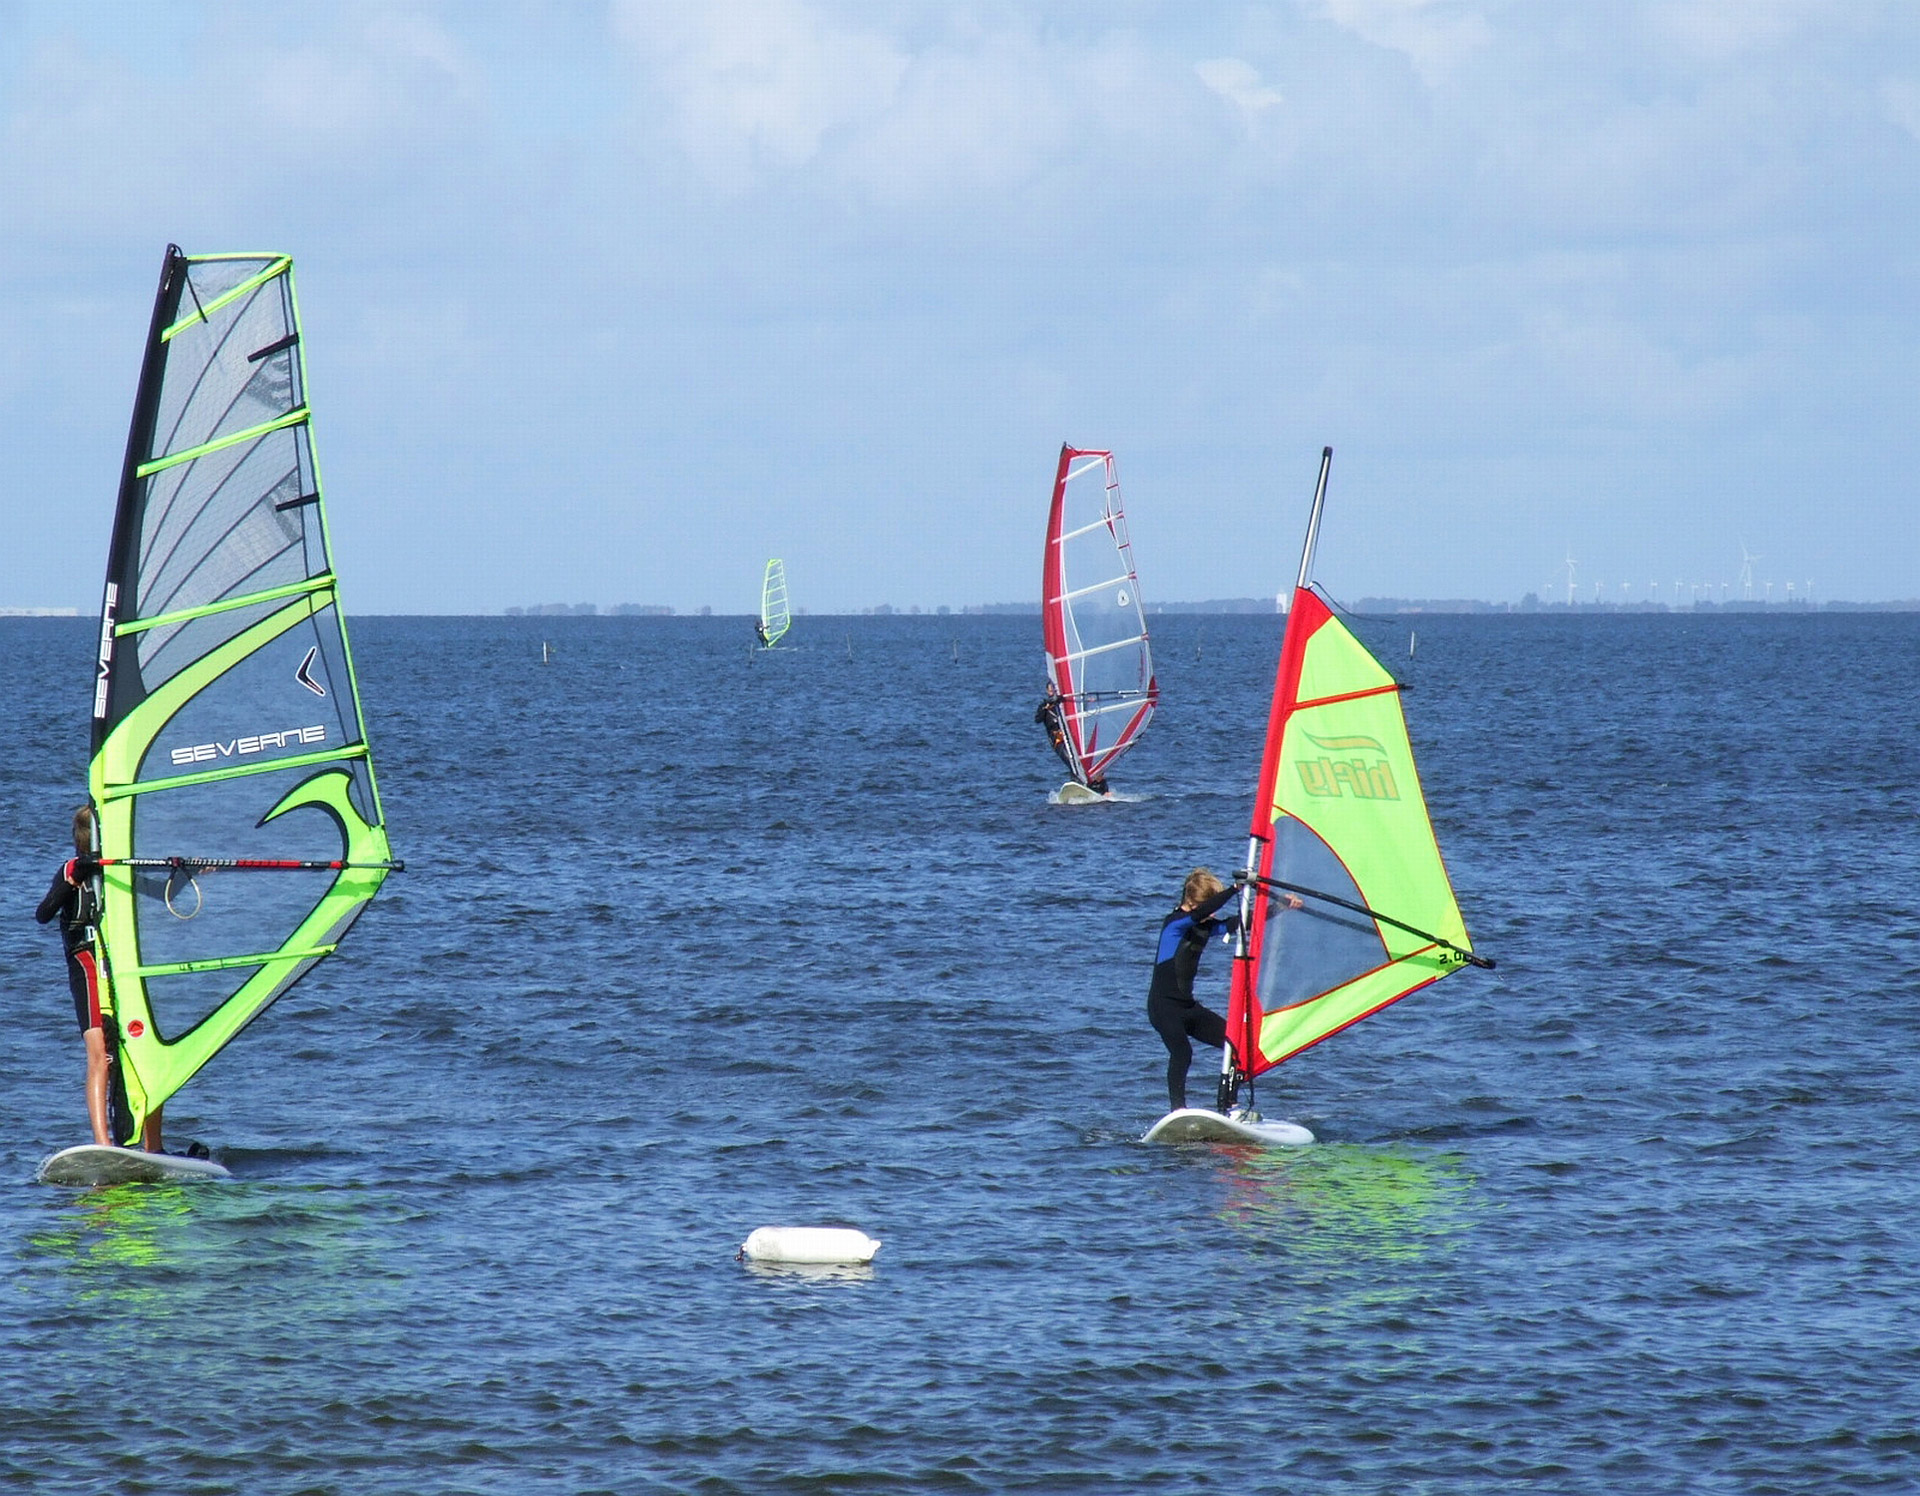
[[949, 110], [1241, 85], [1900, 97], [760, 81], [1434, 35], [92, 139], [1724, 29]]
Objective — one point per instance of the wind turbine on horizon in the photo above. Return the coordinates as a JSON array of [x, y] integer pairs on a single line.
[[1747, 558]]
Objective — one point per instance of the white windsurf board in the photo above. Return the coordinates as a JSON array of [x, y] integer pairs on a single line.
[[90, 1164], [1075, 793], [1192, 1124]]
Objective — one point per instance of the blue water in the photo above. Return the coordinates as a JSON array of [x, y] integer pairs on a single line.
[[693, 941]]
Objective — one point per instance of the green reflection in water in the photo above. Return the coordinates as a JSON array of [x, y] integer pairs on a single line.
[[203, 1263], [1344, 1201], [1357, 1227]]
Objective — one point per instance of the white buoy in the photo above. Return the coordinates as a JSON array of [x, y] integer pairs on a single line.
[[809, 1244]]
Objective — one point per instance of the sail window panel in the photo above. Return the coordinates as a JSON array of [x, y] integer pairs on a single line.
[[263, 708], [164, 652], [1314, 949], [213, 386], [360, 790], [182, 1002], [231, 912], [226, 525], [1104, 634]]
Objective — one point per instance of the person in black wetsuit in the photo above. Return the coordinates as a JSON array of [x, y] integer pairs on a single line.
[[71, 898], [760, 633], [1171, 1008], [1048, 716]]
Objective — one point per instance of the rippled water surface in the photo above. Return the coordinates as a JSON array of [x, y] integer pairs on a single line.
[[693, 941]]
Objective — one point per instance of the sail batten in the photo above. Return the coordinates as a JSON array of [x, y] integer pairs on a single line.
[[1092, 622], [228, 732], [323, 583], [220, 444], [203, 312], [1340, 827], [235, 771]]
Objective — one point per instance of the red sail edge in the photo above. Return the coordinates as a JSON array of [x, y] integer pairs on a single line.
[[1305, 617], [1053, 623]]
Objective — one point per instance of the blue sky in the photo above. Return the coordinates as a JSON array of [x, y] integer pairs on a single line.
[[611, 302]]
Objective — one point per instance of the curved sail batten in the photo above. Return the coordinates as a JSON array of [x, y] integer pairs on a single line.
[[775, 619], [1339, 822], [1094, 628], [227, 723]]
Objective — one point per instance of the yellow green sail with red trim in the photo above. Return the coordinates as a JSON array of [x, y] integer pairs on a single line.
[[239, 825], [1340, 829]]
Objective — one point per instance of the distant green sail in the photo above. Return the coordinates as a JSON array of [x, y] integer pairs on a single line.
[[237, 812], [775, 620]]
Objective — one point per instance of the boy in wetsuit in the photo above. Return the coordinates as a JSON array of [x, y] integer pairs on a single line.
[[71, 897], [1171, 1008]]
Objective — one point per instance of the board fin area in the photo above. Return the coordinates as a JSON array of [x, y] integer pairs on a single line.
[[1192, 1124], [91, 1164]]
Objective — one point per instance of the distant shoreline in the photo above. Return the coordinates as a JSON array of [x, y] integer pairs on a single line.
[[1244, 607]]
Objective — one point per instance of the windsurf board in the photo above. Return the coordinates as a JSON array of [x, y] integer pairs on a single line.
[[90, 1164], [1192, 1124]]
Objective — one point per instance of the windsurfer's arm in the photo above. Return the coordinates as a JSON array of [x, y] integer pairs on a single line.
[[1206, 908], [56, 899]]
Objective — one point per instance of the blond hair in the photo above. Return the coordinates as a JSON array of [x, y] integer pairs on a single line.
[[83, 831], [1200, 886]]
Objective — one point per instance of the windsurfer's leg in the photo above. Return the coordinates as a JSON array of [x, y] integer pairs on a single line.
[[1059, 740], [97, 1085], [1169, 1021], [1207, 1026], [150, 1132], [83, 979]]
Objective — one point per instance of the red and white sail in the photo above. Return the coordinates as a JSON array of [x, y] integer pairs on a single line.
[[1095, 630]]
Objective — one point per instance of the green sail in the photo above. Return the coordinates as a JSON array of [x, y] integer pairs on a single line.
[[227, 723], [1341, 830], [775, 619]]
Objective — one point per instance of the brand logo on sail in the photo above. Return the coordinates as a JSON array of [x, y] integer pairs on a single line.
[[107, 610], [208, 753], [1353, 766]]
